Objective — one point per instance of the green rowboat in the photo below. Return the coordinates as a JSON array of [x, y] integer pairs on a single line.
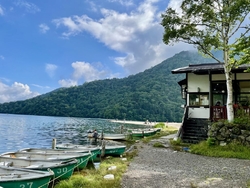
[[15, 177], [62, 169], [109, 149], [115, 150], [82, 158], [95, 150], [142, 132]]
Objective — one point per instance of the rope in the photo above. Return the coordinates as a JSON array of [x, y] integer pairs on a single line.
[[53, 180], [58, 176]]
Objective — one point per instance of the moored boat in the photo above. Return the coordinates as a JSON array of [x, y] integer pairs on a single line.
[[62, 169], [114, 136], [109, 149], [95, 150], [115, 150], [82, 158], [142, 132], [16, 177]]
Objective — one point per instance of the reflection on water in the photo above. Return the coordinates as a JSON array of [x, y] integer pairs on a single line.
[[21, 131]]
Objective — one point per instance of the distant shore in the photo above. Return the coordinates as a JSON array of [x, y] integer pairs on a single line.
[[170, 124]]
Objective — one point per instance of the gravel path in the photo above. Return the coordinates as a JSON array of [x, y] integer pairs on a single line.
[[165, 168]]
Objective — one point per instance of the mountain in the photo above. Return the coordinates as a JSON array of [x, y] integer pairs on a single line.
[[152, 95]]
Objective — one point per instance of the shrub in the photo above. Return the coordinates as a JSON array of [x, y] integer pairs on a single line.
[[211, 141]]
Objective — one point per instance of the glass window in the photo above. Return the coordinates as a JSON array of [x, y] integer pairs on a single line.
[[244, 99], [198, 99], [221, 98], [244, 86], [219, 87]]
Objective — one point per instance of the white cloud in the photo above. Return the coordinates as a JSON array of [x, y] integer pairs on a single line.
[[50, 69], [137, 34], [15, 92], [176, 5], [123, 2], [43, 28], [29, 7], [92, 5], [1, 10], [67, 83], [41, 87], [4, 79], [85, 72]]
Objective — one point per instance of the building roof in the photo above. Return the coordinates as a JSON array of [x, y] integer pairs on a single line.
[[207, 68]]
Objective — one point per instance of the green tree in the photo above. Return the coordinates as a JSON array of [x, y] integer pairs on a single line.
[[211, 25]]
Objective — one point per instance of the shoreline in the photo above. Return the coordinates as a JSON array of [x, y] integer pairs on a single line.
[[169, 124]]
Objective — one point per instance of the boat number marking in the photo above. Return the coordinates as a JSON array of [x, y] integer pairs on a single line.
[[62, 170], [28, 184]]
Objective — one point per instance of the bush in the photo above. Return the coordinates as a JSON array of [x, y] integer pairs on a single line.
[[211, 141]]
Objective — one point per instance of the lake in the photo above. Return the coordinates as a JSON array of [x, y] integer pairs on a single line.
[[22, 131]]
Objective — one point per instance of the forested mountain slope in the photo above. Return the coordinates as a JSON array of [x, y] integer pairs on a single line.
[[153, 94]]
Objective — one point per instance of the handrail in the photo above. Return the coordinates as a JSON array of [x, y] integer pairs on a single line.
[[180, 131], [220, 112]]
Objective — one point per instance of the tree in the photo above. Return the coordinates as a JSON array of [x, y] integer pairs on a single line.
[[211, 25]]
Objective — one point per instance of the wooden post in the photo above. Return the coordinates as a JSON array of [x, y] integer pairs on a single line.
[[54, 143], [142, 133], [103, 148], [102, 135], [121, 129]]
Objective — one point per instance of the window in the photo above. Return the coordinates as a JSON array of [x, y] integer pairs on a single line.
[[219, 87], [243, 94], [244, 99], [222, 98], [198, 99]]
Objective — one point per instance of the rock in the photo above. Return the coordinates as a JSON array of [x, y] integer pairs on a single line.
[[112, 168], [223, 143], [109, 177]]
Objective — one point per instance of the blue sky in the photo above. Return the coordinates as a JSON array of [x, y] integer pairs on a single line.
[[60, 43]]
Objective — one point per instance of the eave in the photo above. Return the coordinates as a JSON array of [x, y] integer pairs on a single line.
[[214, 68]]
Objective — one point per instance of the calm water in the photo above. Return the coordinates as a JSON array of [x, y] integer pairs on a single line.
[[22, 131]]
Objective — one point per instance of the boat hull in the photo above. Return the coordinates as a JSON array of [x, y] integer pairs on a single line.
[[143, 133], [114, 136], [115, 150], [109, 150], [24, 178], [62, 169], [95, 151], [82, 158], [62, 172]]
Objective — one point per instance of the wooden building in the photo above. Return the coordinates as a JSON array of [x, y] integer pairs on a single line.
[[205, 93]]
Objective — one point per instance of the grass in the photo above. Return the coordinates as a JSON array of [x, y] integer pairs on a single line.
[[94, 178], [232, 150]]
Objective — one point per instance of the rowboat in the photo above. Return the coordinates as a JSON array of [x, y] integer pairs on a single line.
[[93, 153], [108, 136], [142, 132], [15, 177], [82, 158], [114, 136], [62, 169], [94, 150], [109, 149], [115, 150]]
